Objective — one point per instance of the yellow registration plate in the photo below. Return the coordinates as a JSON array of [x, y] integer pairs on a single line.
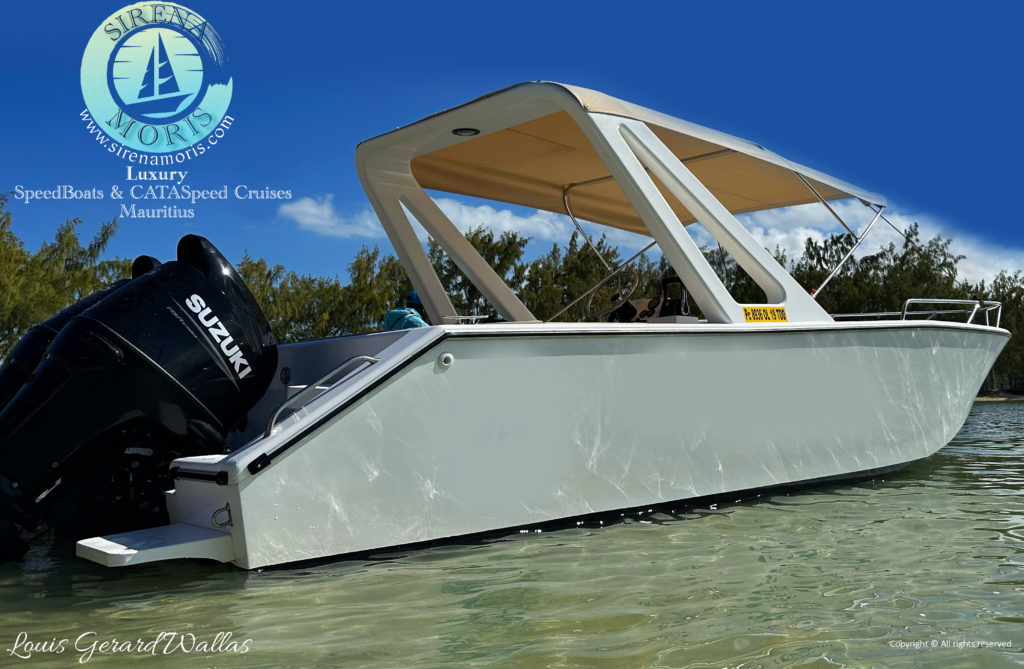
[[765, 314]]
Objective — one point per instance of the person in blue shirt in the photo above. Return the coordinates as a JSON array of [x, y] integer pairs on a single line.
[[410, 316]]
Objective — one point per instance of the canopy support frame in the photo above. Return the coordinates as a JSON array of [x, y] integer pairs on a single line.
[[835, 270], [858, 239], [629, 148]]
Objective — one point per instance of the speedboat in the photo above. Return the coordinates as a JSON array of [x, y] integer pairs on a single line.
[[468, 426]]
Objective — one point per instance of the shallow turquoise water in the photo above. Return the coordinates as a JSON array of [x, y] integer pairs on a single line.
[[923, 568]]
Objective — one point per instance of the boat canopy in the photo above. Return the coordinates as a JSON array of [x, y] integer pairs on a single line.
[[571, 150], [534, 162]]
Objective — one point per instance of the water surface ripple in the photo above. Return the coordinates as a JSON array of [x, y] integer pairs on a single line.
[[922, 568]]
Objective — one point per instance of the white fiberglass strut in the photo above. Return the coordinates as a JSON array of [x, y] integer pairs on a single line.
[[635, 148]]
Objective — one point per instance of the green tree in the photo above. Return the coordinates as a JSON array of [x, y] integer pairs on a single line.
[[38, 285], [376, 283], [1008, 289], [882, 281], [299, 307], [555, 279], [503, 253]]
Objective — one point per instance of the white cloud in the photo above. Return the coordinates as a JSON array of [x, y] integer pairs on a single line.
[[544, 226], [790, 226], [319, 216], [540, 225], [985, 261]]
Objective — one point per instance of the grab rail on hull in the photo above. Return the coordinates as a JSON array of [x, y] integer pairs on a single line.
[[984, 306], [975, 307], [315, 389]]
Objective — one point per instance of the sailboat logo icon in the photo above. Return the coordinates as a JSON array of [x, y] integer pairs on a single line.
[[171, 72], [159, 91]]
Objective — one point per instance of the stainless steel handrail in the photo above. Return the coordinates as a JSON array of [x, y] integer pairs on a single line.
[[867, 314], [976, 306], [312, 388], [985, 306], [460, 320]]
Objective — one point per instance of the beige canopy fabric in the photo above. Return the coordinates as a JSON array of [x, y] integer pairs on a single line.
[[532, 163]]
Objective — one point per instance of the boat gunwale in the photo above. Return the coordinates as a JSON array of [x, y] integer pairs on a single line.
[[608, 329]]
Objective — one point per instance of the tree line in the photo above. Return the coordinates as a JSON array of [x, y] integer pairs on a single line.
[[38, 284]]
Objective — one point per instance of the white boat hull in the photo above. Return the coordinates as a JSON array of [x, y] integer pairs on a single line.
[[527, 428]]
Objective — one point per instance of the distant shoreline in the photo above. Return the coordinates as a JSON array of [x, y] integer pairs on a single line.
[[999, 397]]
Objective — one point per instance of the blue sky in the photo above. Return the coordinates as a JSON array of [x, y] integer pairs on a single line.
[[918, 101]]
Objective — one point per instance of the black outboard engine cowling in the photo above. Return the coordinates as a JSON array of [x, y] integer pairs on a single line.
[[162, 367]]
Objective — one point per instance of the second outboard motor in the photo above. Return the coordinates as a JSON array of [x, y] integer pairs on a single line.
[[26, 356], [161, 367]]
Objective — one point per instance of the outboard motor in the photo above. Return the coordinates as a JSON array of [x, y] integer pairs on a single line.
[[159, 367]]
